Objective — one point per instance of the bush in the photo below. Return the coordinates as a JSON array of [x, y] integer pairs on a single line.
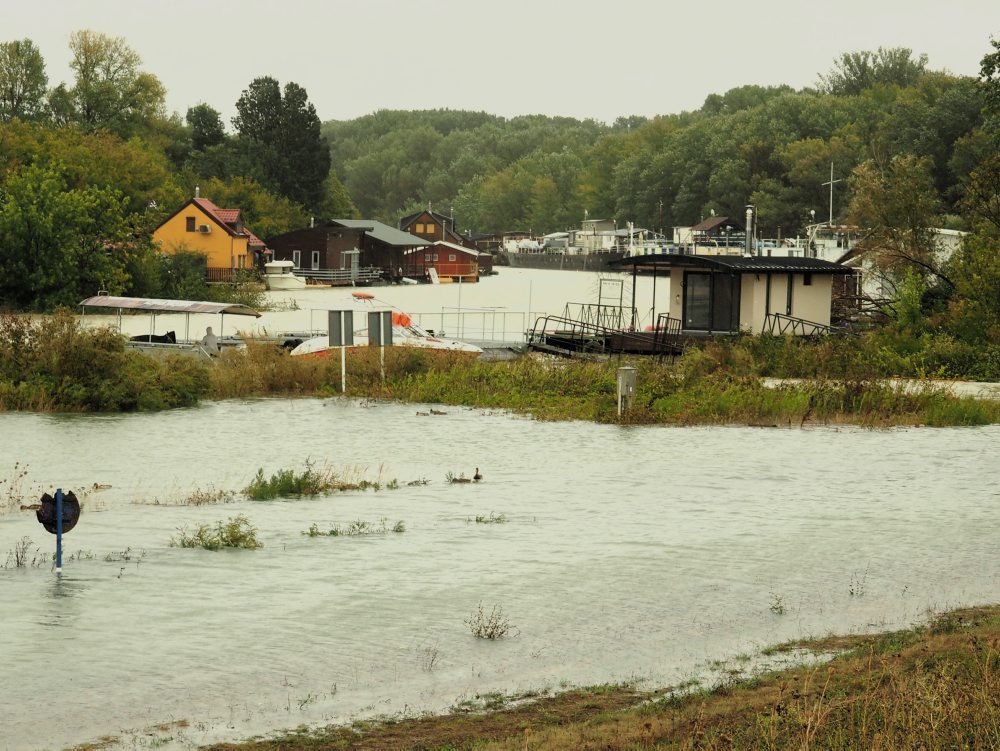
[[237, 532]]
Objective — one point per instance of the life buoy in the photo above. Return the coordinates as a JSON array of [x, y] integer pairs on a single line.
[[401, 319]]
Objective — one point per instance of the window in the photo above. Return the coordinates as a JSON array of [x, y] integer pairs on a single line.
[[241, 261], [451, 257], [419, 228], [296, 258], [807, 279], [189, 220], [697, 301], [315, 260]]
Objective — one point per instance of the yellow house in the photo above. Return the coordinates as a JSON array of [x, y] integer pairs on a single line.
[[199, 226]]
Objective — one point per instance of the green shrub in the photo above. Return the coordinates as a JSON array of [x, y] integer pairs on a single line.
[[236, 532]]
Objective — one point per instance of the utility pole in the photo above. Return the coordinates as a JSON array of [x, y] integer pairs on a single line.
[[832, 181]]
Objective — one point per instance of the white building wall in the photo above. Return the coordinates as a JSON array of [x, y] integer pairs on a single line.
[[812, 303]]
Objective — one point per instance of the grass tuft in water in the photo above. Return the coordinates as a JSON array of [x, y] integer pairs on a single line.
[[492, 625], [287, 483], [236, 532], [357, 528], [491, 519]]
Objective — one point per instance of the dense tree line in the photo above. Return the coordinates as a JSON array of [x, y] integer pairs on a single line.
[[769, 146]]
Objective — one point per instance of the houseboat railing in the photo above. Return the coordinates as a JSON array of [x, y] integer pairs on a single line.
[[361, 275], [613, 317], [778, 323], [475, 324], [667, 336], [568, 336]]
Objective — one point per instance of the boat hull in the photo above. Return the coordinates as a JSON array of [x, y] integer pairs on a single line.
[[563, 262], [279, 282]]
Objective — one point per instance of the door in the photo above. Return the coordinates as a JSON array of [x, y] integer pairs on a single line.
[[697, 300]]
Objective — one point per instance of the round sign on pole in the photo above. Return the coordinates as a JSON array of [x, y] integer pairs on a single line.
[[70, 513]]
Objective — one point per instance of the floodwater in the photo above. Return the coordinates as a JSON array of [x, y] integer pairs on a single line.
[[626, 554]]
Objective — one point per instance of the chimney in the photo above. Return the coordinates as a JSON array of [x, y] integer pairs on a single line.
[[748, 249], [197, 192]]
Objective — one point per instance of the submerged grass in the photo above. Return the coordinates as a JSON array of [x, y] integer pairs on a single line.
[[934, 686], [288, 483], [236, 532], [357, 528]]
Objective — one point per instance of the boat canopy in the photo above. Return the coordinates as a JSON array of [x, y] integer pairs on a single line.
[[154, 305]]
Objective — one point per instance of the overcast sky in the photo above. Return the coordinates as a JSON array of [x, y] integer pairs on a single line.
[[583, 58]]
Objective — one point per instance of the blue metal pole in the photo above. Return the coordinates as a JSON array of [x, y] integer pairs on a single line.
[[59, 525]]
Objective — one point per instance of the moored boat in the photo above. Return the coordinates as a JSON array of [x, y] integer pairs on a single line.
[[279, 275], [405, 333]]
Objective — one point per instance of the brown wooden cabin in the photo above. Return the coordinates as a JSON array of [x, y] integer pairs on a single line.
[[451, 261], [330, 247]]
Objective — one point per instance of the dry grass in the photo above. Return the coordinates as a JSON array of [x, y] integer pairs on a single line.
[[932, 687]]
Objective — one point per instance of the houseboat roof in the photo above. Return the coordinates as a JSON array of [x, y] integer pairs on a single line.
[[381, 232], [154, 305], [655, 263]]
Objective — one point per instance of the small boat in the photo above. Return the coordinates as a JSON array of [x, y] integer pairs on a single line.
[[169, 342], [278, 275], [405, 333]]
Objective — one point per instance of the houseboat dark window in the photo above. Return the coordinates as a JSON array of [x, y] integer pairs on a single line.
[[697, 301], [807, 279], [315, 260], [189, 220]]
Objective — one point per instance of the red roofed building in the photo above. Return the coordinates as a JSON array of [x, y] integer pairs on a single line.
[[199, 226]]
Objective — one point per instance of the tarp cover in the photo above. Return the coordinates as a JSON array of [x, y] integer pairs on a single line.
[[154, 305]]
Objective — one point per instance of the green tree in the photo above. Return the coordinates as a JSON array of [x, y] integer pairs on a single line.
[[853, 72], [60, 244], [22, 80], [981, 198], [110, 91], [899, 205], [974, 309], [989, 80], [206, 126], [281, 133]]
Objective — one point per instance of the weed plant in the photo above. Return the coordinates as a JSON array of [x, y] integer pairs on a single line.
[[357, 528], [26, 555], [492, 625], [491, 519], [12, 488], [236, 532]]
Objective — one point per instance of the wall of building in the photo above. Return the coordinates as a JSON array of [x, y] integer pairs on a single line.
[[220, 247]]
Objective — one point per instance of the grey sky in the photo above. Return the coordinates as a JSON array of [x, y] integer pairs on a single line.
[[581, 58]]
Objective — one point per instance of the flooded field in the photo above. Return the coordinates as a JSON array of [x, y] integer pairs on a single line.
[[624, 554]]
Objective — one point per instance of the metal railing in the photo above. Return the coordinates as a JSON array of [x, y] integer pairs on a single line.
[[568, 336], [667, 336], [361, 275], [778, 323], [476, 324]]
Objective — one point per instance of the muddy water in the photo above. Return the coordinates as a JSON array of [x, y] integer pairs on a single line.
[[626, 554]]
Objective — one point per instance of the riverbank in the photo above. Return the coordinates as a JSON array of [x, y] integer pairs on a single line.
[[936, 685], [51, 365]]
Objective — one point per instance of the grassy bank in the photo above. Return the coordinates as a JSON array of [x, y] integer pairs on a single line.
[[48, 364], [935, 686]]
